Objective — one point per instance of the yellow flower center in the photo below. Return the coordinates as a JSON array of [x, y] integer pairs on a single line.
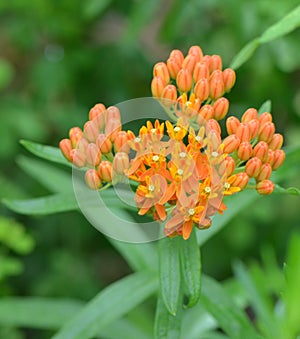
[[155, 158], [191, 211], [180, 171], [151, 188]]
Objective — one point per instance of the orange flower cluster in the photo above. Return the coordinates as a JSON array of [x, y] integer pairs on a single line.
[[183, 167]]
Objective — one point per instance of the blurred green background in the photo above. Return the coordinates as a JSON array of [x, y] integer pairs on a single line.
[[59, 58]]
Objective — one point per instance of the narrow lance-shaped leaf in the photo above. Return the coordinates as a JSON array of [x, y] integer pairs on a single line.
[[191, 268], [166, 326], [169, 272]]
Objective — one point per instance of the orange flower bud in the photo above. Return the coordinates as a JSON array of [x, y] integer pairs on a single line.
[[270, 157], [121, 162], [104, 143], [66, 147], [215, 62], [112, 128], [264, 117], [91, 131], [253, 167], [82, 145], [157, 86], [216, 84], [229, 78], [276, 141], [250, 114], [177, 55], [184, 80], [279, 157], [254, 127], [243, 132], [241, 180], [266, 132], [77, 158], [189, 62], [197, 52], [121, 142], [207, 60], [244, 150], [261, 151], [265, 172], [265, 187], [173, 67], [113, 112], [93, 155], [213, 125], [227, 166], [231, 143], [75, 135], [161, 70], [221, 107], [105, 171], [169, 93], [201, 71], [232, 123], [92, 179], [201, 89], [98, 109], [206, 112]]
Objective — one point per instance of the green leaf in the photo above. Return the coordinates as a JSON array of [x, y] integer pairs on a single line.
[[61, 202], [289, 190], [169, 272], [94, 8], [52, 178], [230, 318], [191, 268], [286, 25], [46, 152], [291, 293], [110, 304], [166, 325], [244, 54], [265, 107], [260, 302]]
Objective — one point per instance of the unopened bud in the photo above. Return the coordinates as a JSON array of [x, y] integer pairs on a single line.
[[201, 71], [177, 55], [206, 112], [157, 86], [254, 127], [232, 123], [270, 157], [227, 166], [184, 80], [65, 147], [112, 128], [201, 89], [276, 141], [91, 131], [173, 67], [104, 143], [82, 145], [207, 60], [105, 171], [216, 84], [78, 158], [113, 112], [241, 180], [121, 142], [215, 62], [265, 172], [221, 107], [266, 132], [244, 150], [93, 155], [213, 124], [75, 135], [121, 162], [243, 132], [261, 151], [197, 52], [92, 179], [264, 117], [265, 187], [253, 167], [98, 109], [169, 94], [189, 62], [231, 143], [250, 114], [229, 78], [161, 70], [279, 157]]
